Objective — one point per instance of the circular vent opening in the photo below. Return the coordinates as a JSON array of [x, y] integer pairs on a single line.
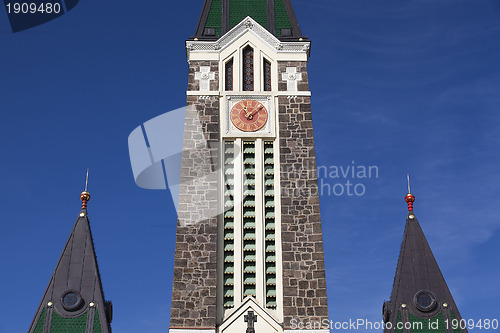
[[71, 300], [425, 301]]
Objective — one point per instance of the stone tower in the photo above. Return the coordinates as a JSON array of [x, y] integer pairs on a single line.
[[249, 247], [421, 300], [74, 299]]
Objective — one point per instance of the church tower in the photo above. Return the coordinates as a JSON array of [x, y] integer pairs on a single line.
[[249, 245], [420, 299], [74, 299]]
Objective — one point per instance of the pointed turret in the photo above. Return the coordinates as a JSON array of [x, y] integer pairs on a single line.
[[74, 299], [220, 16], [420, 295]]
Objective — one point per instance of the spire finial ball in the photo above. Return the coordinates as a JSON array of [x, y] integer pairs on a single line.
[[410, 199], [85, 197]]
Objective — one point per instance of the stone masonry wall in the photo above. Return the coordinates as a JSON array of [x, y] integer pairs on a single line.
[[194, 291], [304, 279]]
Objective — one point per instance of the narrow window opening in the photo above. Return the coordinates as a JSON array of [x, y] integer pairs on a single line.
[[248, 73], [267, 75], [229, 75]]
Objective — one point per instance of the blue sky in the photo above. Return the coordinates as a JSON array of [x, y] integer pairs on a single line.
[[406, 86]]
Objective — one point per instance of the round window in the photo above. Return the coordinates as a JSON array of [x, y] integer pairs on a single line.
[[425, 301], [71, 300]]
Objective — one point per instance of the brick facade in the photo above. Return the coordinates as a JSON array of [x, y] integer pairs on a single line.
[[194, 292], [304, 281]]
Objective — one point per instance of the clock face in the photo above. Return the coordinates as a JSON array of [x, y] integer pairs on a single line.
[[249, 115]]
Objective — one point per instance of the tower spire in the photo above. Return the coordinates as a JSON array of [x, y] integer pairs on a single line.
[[85, 196], [419, 291], [74, 298]]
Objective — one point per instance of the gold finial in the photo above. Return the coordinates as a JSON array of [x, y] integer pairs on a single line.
[[85, 196], [410, 198]]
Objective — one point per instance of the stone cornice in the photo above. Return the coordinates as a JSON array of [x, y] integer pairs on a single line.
[[248, 24]]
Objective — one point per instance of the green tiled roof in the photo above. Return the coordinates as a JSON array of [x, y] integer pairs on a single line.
[[256, 9], [223, 15], [39, 325], [97, 323], [397, 322], [68, 325], [453, 317], [215, 17], [281, 18]]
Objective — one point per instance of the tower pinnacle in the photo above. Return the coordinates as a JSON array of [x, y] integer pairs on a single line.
[[85, 196]]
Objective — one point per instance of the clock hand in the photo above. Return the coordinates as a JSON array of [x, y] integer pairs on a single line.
[[247, 113], [250, 117]]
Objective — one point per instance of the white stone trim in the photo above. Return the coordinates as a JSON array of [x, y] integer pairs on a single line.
[[277, 221], [249, 93], [228, 130], [250, 304], [202, 93], [190, 330], [248, 24]]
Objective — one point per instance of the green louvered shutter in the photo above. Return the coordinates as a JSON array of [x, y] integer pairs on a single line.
[[229, 224]]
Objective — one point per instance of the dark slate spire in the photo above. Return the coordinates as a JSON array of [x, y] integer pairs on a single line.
[[74, 299], [220, 16], [420, 292]]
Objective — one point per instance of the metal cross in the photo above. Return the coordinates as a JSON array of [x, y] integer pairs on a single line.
[[250, 318]]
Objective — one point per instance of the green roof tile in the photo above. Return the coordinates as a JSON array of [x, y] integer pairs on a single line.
[[222, 16], [397, 330], [97, 323], [68, 325], [214, 17], [281, 18], [256, 9], [453, 317], [41, 321]]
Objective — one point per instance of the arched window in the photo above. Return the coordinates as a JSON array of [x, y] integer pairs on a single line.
[[267, 75], [229, 75], [248, 72]]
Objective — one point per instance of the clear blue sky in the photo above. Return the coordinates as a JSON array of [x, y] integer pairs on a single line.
[[404, 85]]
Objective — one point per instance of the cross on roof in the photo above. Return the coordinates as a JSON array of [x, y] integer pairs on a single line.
[[250, 318]]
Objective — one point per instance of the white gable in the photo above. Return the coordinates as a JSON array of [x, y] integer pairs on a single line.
[[209, 50], [235, 323]]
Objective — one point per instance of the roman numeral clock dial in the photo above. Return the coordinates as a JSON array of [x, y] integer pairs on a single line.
[[249, 115]]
